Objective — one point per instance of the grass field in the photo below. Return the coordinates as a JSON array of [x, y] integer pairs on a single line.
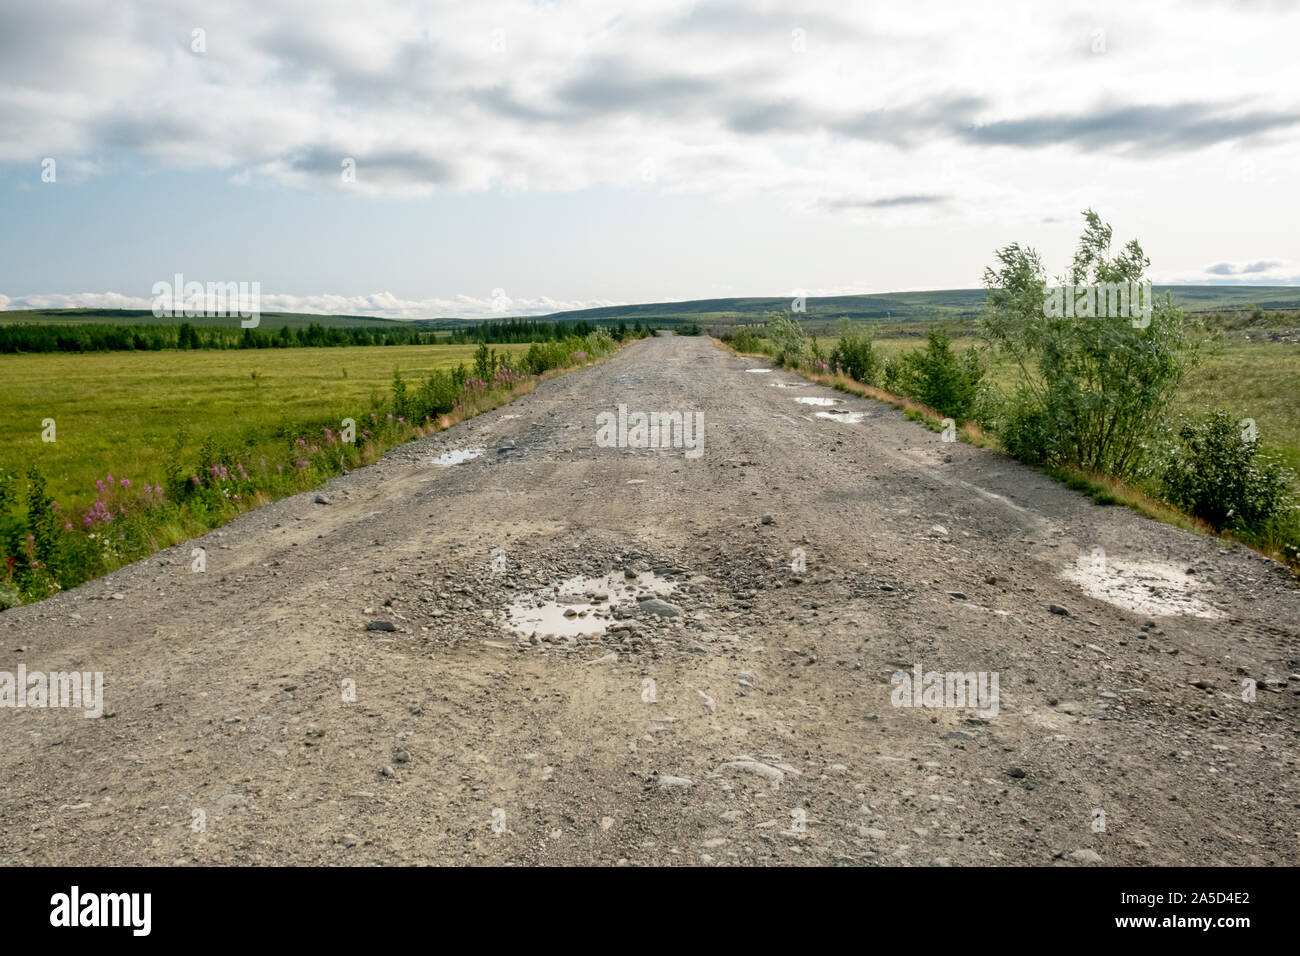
[[1251, 379], [119, 412]]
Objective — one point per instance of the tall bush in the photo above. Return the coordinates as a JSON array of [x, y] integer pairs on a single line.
[[1089, 390]]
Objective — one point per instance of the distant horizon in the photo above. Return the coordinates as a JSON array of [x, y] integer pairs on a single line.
[[144, 304], [400, 158]]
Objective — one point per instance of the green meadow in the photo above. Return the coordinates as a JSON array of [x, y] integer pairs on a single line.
[[121, 412]]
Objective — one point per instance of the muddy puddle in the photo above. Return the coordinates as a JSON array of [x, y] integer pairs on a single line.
[[1143, 587], [825, 402], [457, 456], [580, 605], [842, 415]]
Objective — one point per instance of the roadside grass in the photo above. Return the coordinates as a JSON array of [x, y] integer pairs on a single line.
[[1261, 382], [206, 445], [121, 412], [1251, 378]]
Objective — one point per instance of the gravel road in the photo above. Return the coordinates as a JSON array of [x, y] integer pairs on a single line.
[[558, 652]]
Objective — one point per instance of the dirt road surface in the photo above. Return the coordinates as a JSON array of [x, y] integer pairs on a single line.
[[705, 701]]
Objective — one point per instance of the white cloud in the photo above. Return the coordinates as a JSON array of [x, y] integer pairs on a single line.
[[1248, 272], [429, 97], [379, 304], [931, 131]]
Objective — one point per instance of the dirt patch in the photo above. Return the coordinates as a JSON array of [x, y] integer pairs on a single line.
[[1143, 587]]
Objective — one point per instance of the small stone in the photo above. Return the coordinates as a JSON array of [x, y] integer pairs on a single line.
[[768, 519], [1085, 855], [380, 626], [671, 783], [660, 608], [322, 500], [401, 756], [1058, 609]]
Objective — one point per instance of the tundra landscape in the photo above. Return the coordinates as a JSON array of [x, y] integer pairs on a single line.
[[693, 434]]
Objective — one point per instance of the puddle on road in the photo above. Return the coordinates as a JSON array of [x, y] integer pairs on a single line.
[[457, 457], [758, 371], [785, 385], [820, 401], [580, 606], [1143, 587], [842, 415]]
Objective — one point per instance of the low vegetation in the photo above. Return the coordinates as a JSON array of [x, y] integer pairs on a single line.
[[126, 493], [1124, 410]]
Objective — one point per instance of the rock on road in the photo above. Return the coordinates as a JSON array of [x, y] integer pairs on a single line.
[[734, 710]]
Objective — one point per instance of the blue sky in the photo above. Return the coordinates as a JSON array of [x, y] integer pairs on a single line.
[[577, 154]]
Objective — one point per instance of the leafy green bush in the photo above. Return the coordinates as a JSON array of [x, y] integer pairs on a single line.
[[438, 393], [855, 356], [744, 339], [1090, 390], [1218, 474], [789, 344], [1026, 429], [941, 379]]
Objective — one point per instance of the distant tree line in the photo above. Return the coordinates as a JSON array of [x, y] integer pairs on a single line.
[[511, 331], [93, 337]]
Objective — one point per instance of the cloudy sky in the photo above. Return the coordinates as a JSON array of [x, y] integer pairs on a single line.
[[410, 159]]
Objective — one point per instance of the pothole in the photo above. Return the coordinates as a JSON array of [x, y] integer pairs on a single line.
[[842, 415], [1144, 587], [804, 400], [457, 456], [581, 605]]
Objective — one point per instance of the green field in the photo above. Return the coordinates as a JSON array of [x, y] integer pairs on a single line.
[[1251, 379], [119, 412]]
